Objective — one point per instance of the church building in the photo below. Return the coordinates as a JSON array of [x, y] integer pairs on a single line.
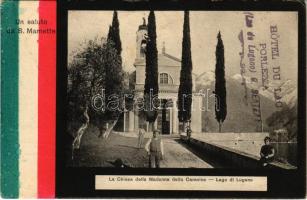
[[169, 79]]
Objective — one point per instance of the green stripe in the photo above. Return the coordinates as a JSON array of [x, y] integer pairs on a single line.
[[9, 101]]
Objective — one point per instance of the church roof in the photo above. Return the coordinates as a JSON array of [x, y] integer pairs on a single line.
[[165, 59]]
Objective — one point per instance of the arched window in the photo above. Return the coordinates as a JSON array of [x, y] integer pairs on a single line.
[[163, 78], [143, 48]]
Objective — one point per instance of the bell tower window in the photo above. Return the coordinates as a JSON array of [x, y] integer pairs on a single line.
[[141, 40], [143, 48]]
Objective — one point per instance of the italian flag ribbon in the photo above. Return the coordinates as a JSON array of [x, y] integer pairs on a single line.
[[28, 96]]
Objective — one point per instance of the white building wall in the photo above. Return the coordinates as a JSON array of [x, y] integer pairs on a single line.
[[196, 120]]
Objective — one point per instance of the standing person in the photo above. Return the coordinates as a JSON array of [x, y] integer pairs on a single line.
[[267, 152], [154, 148], [141, 137], [189, 132]]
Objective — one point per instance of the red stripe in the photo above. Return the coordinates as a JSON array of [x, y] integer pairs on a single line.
[[46, 101]]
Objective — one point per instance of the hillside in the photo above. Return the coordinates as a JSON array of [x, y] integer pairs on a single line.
[[240, 117]]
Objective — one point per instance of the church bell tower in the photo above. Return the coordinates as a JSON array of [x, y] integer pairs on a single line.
[[141, 36]]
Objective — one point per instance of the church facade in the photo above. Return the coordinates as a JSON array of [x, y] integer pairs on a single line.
[[169, 79]]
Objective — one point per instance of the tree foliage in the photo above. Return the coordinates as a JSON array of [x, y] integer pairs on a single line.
[[284, 119], [151, 87], [114, 83], [85, 77], [95, 67], [185, 87], [114, 73], [220, 83], [114, 35]]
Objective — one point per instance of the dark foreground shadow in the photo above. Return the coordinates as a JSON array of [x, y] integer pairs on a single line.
[[210, 159]]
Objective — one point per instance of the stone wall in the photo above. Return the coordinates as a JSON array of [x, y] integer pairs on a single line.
[[230, 157]]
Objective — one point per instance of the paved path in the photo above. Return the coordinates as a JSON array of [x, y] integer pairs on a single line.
[[177, 156]]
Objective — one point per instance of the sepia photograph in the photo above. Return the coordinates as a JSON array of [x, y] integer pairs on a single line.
[[153, 99], [182, 89]]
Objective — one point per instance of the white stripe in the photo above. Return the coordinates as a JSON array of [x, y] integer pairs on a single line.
[[28, 100]]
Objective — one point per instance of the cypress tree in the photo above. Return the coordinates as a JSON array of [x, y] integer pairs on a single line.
[[114, 82], [151, 87], [114, 73], [110, 34], [185, 87], [114, 34], [220, 83]]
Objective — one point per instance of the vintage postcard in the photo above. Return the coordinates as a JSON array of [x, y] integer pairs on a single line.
[[153, 99]]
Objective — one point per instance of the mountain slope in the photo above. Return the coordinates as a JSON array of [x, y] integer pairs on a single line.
[[240, 117]]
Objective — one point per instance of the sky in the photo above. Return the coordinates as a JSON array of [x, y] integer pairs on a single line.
[[204, 26]]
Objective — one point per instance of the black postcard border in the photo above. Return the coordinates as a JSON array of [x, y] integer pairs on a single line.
[[80, 182]]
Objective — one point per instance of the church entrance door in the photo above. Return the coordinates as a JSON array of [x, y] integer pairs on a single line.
[[164, 119]]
